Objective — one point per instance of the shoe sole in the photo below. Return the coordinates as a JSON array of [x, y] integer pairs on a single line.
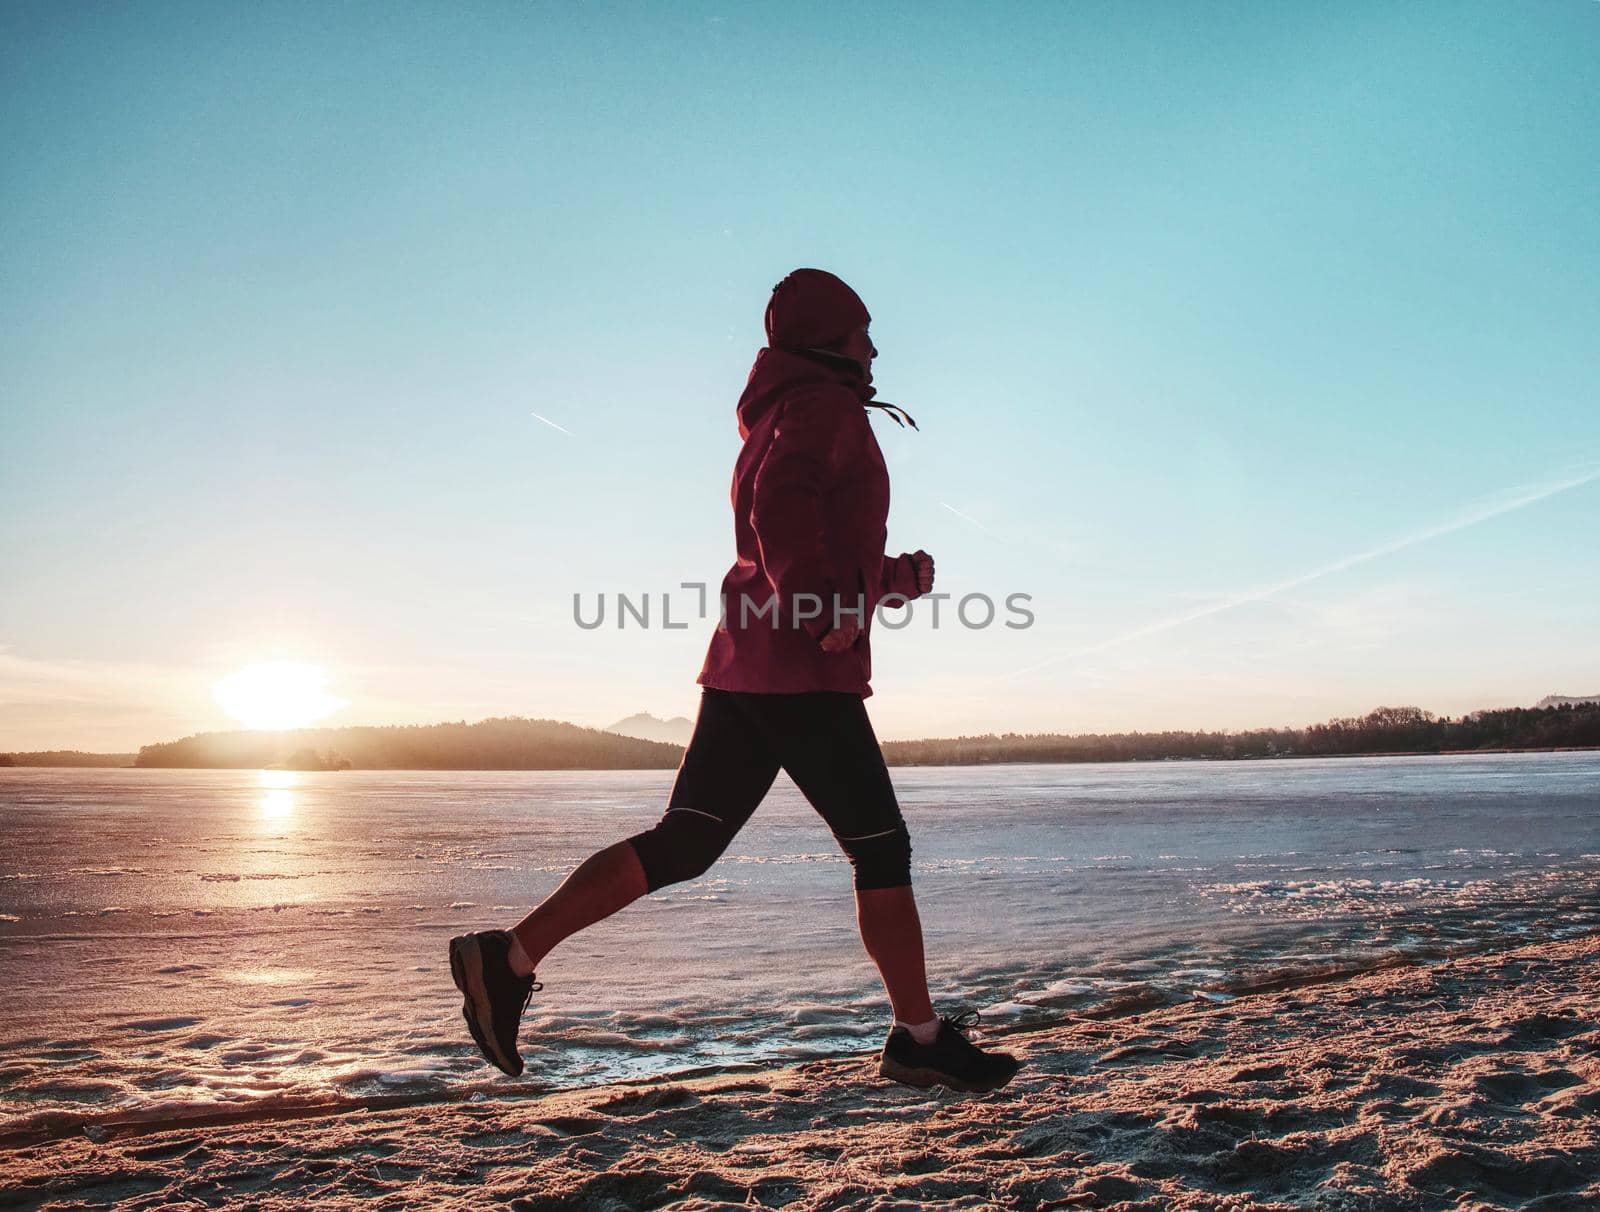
[[466, 969], [909, 1075]]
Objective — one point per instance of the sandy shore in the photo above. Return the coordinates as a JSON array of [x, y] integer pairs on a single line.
[[1471, 1085]]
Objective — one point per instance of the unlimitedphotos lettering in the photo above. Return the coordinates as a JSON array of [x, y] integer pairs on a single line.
[[974, 611]]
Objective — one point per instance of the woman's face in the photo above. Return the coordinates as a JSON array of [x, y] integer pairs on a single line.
[[858, 346]]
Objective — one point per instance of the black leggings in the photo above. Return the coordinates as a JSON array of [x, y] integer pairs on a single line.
[[823, 739]]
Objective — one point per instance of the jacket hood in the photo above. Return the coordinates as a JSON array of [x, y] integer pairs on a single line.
[[812, 307], [777, 372]]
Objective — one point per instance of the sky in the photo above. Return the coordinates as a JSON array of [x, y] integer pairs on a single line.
[[1254, 342]]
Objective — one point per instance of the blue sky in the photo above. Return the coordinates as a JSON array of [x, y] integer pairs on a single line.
[[1191, 302]]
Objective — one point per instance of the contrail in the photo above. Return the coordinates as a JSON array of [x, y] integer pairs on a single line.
[[553, 425], [1501, 503], [965, 518]]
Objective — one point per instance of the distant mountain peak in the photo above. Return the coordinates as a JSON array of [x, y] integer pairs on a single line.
[[646, 727], [1566, 700]]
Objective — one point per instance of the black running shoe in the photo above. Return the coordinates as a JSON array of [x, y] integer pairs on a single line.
[[951, 1060], [495, 995]]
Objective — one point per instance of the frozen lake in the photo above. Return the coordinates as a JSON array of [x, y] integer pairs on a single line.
[[173, 942]]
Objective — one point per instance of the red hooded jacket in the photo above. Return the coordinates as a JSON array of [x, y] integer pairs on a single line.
[[810, 507]]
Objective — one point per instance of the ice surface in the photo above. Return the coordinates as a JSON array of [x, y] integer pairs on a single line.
[[173, 942]]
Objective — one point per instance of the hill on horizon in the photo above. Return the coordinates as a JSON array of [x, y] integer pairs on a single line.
[[510, 743], [647, 727], [1566, 700]]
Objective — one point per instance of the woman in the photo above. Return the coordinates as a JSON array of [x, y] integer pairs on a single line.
[[784, 682]]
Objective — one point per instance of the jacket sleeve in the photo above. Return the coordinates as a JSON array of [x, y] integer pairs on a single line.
[[786, 508], [899, 577]]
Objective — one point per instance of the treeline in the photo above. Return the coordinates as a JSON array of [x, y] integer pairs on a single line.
[[522, 744], [1386, 730], [65, 757], [498, 744]]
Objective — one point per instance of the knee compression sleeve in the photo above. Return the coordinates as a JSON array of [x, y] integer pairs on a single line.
[[681, 846], [881, 860]]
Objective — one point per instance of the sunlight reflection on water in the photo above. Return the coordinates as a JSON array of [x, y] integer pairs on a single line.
[[277, 799]]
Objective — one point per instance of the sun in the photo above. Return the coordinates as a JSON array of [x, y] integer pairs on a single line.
[[277, 694]]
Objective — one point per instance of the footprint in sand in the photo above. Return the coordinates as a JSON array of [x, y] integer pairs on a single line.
[[1538, 1027], [159, 1024], [645, 1101], [574, 1125], [1258, 1073], [1508, 1087], [205, 1040]]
